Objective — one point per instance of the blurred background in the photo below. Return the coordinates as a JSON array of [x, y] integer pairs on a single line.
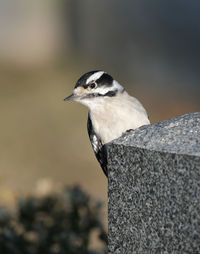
[[151, 47]]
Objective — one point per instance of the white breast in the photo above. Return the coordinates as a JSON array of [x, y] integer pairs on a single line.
[[111, 116]]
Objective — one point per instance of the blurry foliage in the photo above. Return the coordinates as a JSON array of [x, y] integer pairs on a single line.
[[54, 224]]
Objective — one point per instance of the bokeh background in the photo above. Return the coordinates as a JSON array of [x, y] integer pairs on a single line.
[[150, 47]]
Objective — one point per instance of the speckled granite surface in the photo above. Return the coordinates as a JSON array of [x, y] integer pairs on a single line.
[[154, 188]]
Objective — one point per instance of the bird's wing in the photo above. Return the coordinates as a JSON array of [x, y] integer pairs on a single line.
[[97, 146]]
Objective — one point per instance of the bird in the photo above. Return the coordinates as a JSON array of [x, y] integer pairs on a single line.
[[111, 110]]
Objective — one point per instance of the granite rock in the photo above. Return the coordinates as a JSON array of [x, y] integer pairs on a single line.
[[154, 188]]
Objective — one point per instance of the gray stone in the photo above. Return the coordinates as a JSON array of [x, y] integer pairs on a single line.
[[154, 188]]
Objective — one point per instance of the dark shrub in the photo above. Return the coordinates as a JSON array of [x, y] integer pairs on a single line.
[[54, 224]]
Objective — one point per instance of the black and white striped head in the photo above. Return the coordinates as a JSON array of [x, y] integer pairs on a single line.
[[94, 86]]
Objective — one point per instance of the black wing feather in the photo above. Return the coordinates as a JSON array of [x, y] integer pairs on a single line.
[[97, 146]]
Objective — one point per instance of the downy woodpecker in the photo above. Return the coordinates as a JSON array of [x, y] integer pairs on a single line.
[[112, 110]]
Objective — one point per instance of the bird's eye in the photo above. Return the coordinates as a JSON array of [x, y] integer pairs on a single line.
[[92, 85]]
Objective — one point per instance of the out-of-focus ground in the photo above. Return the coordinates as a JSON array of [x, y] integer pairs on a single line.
[[45, 46]]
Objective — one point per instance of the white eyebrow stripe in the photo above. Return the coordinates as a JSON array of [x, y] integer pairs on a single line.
[[95, 76]]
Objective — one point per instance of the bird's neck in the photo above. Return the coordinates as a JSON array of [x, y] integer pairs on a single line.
[[105, 116]]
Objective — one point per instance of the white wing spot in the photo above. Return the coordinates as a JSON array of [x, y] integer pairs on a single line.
[[95, 76], [95, 143]]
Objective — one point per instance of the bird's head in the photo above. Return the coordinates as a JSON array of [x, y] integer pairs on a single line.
[[94, 87]]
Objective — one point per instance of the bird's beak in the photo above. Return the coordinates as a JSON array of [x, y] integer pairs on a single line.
[[70, 97]]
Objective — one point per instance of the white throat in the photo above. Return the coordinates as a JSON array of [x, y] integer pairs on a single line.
[[111, 116]]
